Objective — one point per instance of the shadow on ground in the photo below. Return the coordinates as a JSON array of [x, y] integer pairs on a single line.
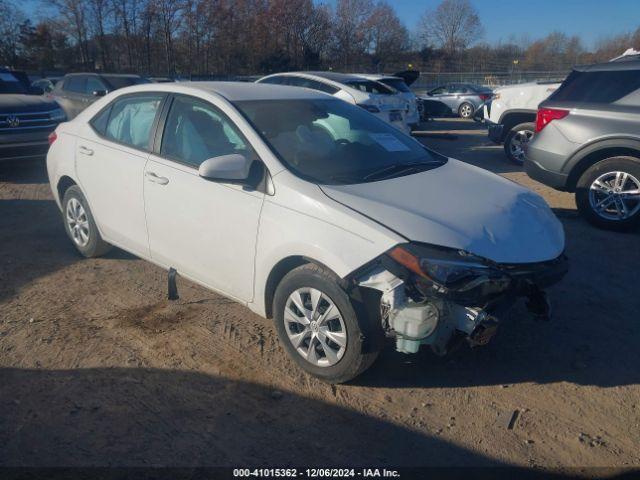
[[120, 417]]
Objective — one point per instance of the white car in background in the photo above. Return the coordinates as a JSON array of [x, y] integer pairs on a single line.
[[510, 115], [308, 210], [374, 97], [412, 115]]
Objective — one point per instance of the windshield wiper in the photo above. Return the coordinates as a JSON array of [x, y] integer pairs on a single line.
[[398, 168]]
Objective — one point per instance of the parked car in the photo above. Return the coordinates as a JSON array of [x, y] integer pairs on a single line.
[[308, 210], [412, 116], [510, 115], [374, 97], [46, 84], [26, 118], [460, 99], [587, 141], [76, 91]]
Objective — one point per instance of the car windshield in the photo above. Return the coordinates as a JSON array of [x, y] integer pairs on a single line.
[[332, 142], [10, 84], [396, 83], [121, 82]]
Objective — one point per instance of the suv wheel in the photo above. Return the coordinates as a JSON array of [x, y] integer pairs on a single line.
[[608, 193], [465, 110], [80, 225], [516, 141], [318, 326]]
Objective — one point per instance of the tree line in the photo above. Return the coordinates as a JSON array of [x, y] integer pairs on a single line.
[[193, 38]]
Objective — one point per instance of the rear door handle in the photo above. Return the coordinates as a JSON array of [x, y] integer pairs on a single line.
[[86, 151], [152, 177]]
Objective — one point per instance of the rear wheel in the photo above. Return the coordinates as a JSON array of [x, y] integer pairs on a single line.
[[516, 141], [318, 325], [608, 193], [465, 110], [80, 225]]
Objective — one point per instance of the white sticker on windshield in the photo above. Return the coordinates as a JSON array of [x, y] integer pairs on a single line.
[[7, 77], [389, 142]]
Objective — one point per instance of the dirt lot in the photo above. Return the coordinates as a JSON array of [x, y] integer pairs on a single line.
[[98, 368]]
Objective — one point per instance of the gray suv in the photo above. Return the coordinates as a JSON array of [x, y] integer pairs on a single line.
[[587, 141], [76, 91]]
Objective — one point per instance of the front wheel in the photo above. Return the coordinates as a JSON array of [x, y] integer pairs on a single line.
[[608, 193], [465, 110], [318, 326], [516, 141]]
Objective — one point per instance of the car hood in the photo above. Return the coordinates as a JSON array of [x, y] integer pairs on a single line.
[[461, 206], [18, 103]]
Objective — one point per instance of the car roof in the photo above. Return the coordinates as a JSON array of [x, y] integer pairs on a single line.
[[234, 91], [122, 75], [609, 66], [333, 76], [378, 76]]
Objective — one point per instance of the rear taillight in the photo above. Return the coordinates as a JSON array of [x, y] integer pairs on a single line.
[[53, 136], [546, 115], [484, 97]]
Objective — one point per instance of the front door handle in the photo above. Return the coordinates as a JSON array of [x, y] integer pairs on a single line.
[[86, 151], [152, 177]]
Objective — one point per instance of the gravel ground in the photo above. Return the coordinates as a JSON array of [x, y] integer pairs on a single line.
[[98, 368]]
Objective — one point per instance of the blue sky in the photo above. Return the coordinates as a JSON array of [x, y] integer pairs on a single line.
[[591, 20]]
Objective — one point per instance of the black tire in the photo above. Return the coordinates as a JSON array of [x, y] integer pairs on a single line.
[[628, 165], [355, 359], [514, 134], [95, 245], [464, 112]]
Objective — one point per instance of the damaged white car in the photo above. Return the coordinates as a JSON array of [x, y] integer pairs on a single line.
[[308, 210]]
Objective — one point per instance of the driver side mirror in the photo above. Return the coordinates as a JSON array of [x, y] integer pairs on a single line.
[[233, 168], [99, 93]]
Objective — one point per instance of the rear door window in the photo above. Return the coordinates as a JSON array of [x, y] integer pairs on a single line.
[[75, 84], [93, 84], [131, 119], [369, 86], [597, 87]]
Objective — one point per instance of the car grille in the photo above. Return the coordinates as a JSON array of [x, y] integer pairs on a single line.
[[24, 122]]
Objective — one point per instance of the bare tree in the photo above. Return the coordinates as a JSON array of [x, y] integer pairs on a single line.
[[388, 37], [452, 26], [11, 20], [350, 27]]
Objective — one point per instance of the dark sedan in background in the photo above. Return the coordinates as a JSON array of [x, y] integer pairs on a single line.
[[461, 99]]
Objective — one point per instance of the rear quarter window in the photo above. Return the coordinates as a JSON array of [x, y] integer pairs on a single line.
[[75, 84], [597, 87]]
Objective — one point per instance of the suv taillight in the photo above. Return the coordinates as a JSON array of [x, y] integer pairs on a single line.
[[484, 97], [52, 137], [547, 115]]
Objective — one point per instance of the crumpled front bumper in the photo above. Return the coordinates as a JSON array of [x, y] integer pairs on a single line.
[[440, 318]]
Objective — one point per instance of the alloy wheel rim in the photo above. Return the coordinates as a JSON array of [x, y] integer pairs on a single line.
[[315, 327], [615, 195], [466, 111], [78, 222], [518, 142]]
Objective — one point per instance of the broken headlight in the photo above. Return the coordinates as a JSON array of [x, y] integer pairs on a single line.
[[449, 272]]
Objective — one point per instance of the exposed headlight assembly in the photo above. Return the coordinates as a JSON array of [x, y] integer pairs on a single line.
[[443, 271]]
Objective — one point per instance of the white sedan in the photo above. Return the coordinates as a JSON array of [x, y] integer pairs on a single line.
[[309, 211], [382, 101]]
